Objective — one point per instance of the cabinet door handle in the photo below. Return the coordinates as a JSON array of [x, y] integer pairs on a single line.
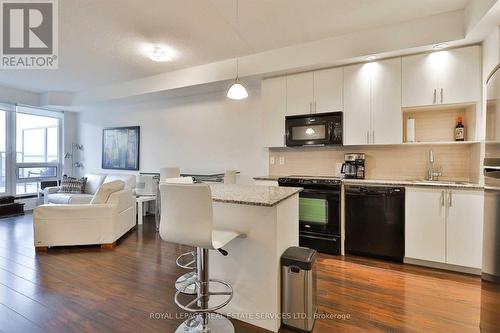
[[315, 107], [442, 198], [441, 95], [450, 199], [310, 107], [434, 98], [373, 136], [367, 137]]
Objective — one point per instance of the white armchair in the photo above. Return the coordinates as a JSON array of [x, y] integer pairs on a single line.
[[84, 224]]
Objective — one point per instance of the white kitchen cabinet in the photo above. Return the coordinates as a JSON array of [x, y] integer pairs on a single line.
[[274, 110], [387, 118], [419, 80], [442, 77], [328, 86], [464, 228], [425, 224], [372, 103], [460, 81], [314, 92], [444, 226], [299, 93], [357, 94]]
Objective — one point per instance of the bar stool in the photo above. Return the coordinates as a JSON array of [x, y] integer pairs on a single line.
[[186, 260], [165, 173], [187, 218]]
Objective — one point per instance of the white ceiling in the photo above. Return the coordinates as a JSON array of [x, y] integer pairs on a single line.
[[100, 41]]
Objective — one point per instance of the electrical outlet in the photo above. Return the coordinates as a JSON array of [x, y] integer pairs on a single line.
[[282, 160], [271, 160]]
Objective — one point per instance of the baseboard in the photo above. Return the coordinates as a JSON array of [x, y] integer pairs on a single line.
[[439, 265]]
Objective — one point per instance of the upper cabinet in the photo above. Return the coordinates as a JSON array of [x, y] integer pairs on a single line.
[[372, 103], [460, 81], [372, 96], [299, 94], [387, 118], [328, 87], [274, 110], [357, 95], [443, 77], [314, 92]]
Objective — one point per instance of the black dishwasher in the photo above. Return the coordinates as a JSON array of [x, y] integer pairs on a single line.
[[374, 221]]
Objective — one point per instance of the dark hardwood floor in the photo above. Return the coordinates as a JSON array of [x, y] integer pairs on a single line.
[[88, 289]]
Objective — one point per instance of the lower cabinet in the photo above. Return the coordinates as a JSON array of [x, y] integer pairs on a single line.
[[444, 225], [425, 224], [464, 232]]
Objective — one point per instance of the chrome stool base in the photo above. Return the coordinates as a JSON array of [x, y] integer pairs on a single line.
[[187, 260], [186, 283], [194, 306], [216, 324]]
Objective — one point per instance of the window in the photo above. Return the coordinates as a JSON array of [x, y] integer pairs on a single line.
[[3, 150], [37, 148], [30, 148]]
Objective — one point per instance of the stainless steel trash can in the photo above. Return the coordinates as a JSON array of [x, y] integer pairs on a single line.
[[298, 288]]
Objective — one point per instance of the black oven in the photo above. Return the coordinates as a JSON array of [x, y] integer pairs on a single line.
[[314, 129], [319, 212]]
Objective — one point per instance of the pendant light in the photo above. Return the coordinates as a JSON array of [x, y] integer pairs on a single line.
[[237, 91]]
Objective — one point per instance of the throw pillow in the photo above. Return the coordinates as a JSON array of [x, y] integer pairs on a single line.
[[72, 185], [105, 190]]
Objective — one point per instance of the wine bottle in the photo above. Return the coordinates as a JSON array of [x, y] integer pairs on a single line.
[[459, 130]]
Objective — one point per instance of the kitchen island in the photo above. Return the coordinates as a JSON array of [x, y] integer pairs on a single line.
[[269, 217]]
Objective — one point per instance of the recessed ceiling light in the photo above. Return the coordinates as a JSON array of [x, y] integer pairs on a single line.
[[371, 57], [440, 46], [159, 52]]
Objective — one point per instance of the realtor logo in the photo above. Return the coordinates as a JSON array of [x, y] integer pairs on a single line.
[[29, 34]]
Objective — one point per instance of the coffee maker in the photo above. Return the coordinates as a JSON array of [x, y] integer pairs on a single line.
[[354, 166]]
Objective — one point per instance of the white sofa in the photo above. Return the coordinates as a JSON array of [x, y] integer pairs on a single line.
[[94, 181], [84, 224]]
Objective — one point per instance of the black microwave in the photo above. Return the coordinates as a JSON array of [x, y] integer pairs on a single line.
[[314, 129]]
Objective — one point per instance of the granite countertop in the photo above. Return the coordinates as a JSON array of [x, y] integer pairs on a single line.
[[394, 182], [256, 195], [267, 177], [419, 183]]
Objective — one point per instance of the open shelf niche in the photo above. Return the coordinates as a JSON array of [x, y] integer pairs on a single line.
[[436, 124]]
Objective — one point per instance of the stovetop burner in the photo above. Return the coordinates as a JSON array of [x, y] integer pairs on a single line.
[[313, 177]]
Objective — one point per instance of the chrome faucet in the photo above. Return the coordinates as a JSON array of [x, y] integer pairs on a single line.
[[431, 175]]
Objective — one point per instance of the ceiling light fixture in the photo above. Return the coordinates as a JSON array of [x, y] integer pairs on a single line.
[[440, 46], [159, 52], [237, 91], [371, 57]]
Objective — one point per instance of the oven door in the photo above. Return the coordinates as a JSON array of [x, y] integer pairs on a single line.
[[319, 212]]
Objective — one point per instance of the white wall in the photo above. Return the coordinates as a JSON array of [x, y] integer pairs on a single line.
[[17, 96], [199, 133]]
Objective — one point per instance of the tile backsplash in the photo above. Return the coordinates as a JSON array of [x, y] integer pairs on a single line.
[[458, 161]]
